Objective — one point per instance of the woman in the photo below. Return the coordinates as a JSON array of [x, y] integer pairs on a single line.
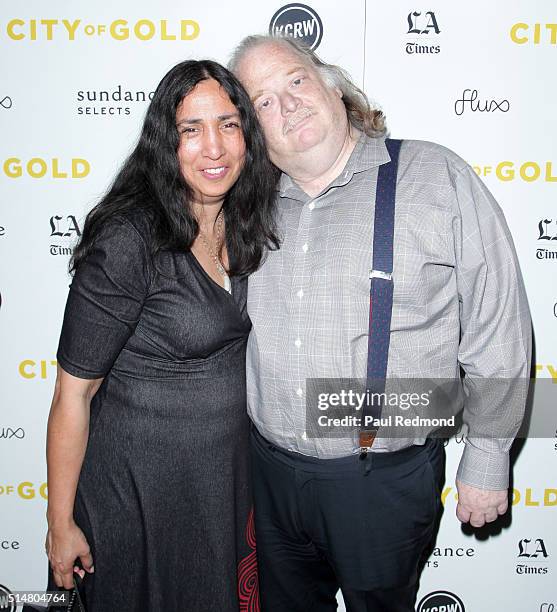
[[147, 434]]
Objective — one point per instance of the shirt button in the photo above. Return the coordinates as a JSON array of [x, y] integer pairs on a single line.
[[300, 293], [298, 342], [305, 248], [311, 205], [299, 391]]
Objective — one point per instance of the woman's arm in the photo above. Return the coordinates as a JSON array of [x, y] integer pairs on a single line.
[[68, 430]]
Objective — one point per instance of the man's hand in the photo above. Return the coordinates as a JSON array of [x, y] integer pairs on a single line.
[[479, 506]]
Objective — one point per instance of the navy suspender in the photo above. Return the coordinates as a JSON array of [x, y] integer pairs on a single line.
[[381, 291]]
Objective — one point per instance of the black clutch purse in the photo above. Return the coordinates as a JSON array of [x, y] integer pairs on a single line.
[[77, 598], [77, 601]]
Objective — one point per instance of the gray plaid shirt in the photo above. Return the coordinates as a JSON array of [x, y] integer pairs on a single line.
[[459, 300]]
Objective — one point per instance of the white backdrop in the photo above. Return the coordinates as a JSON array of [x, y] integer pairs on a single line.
[[62, 141]]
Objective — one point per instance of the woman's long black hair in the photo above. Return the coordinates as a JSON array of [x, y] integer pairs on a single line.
[[150, 178]]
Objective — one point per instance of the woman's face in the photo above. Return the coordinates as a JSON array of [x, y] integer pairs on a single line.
[[211, 150]]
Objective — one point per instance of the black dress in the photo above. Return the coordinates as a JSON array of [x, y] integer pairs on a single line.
[[163, 495]]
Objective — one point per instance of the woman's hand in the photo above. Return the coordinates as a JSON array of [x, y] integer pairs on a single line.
[[64, 544]]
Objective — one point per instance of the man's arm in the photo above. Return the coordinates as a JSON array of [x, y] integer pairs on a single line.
[[494, 350]]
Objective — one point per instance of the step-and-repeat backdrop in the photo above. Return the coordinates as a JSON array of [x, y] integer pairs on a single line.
[[75, 80]]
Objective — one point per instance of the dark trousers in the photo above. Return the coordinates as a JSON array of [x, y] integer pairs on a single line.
[[358, 525]]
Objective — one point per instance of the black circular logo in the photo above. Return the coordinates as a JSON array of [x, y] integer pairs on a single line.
[[434, 601], [5, 605], [298, 21]]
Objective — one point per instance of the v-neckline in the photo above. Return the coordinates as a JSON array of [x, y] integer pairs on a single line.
[[207, 275]]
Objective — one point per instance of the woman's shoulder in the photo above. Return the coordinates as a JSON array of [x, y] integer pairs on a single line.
[[135, 225]]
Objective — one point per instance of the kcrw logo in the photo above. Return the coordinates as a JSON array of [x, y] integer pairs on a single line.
[[441, 601], [298, 21]]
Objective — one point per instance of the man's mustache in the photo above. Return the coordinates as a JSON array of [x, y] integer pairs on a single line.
[[293, 120]]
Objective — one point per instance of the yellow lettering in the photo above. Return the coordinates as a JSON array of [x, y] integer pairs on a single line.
[[49, 23], [80, 168], [10, 29], [444, 494], [33, 24], [553, 372], [536, 33], [55, 172], [42, 167], [150, 26], [539, 368], [43, 491], [509, 175], [23, 367], [534, 167], [71, 27], [43, 368], [514, 30], [12, 167], [516, 497], [189, 29], [164, 34], [119, 33], [549, 172], [528, 500], [25, 490], [547, 495], [552, 27]]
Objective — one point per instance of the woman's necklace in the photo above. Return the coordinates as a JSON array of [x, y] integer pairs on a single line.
[[214, 252]]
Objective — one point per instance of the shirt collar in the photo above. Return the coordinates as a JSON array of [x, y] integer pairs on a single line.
[[368, 153]]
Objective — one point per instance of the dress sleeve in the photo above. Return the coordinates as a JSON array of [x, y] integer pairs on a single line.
[[105, 301]]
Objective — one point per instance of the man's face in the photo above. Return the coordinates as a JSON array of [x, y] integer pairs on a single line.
[[296, 109]]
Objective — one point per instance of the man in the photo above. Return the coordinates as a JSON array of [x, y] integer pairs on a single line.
[[330, 515]]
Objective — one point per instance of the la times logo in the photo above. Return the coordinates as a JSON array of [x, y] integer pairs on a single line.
[[423, 28], [533, 555], [63, 230], [547, 234]]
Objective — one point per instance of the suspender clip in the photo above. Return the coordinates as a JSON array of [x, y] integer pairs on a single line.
[[367, 438], [380, 274]]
